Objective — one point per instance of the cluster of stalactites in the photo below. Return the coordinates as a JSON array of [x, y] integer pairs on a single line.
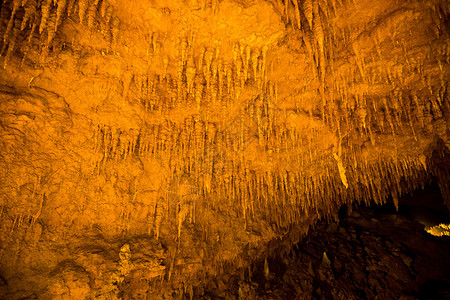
[[208, 74], [344, 87], [214, 154], [41, 19], [206, 154], [401, 113], [310, 19], [201, 76]]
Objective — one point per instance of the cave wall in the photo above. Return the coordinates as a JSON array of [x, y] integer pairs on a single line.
[[205, 129]]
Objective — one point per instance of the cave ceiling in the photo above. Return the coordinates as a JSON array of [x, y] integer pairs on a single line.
[[231, 120]]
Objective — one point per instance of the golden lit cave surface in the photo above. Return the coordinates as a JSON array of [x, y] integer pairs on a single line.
[[439, 230], [199, 131]]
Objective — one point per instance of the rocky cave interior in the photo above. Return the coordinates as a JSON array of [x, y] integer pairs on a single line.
[[224, 149]]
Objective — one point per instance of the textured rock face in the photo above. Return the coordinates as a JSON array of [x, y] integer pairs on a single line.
[[197, 131]]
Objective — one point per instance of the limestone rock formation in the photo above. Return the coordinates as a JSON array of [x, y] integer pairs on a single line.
[[198, 131]]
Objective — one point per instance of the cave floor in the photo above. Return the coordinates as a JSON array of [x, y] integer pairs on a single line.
[[369, 254]]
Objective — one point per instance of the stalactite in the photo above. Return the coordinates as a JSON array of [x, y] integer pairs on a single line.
[[34, 27], [341, 169], [238, 71], [108, 18], [60, 13], [308, 11], [436, 107], [199, 84], [103, 8], [246, 62], [30, 14], [126, 142], [190, 74], [362, 114], [127, 79], [220, 77], [50, 36], [229, 76], [11, 23], [70, 7], [308, 40], [183, 50], [115, 31], [213, 83], [199, 135], [115, 143], [133, 141], [209, 56], [12, 42], [318, 29], [92, 14], [159, 215], [164, 134], [264, 50], [83, 6], [254, 57], [297, 13], [143, 143], [182, 214], [45, 10]]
